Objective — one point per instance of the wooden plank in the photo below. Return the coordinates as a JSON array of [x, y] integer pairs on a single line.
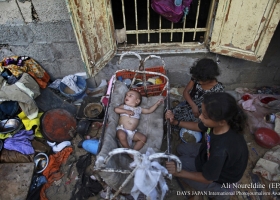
[[250, 19], [244, 28], [15, 180], [93, 25]]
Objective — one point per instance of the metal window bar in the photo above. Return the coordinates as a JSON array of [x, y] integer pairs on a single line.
[[160, 30], [196, 19], [148, 18], [123, 12], [136, 21]]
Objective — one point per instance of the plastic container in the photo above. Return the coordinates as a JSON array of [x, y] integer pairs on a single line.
[[91, 146], [81, 83], [41, 161], [197, 135], [270, 118], [152, 90], [266, 138]]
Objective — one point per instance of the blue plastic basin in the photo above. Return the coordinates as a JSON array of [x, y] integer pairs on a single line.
[[91, 145], [81, 83]]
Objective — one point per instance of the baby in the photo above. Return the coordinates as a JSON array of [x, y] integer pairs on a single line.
[[130, 113]]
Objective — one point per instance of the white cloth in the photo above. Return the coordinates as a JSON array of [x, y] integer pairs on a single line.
[[148, 176], [25, 89], [70, 81], [248, 104], [269, 165]]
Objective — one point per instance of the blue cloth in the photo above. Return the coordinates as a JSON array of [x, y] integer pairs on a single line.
[[37, 181], [8, 109], [20, 142]]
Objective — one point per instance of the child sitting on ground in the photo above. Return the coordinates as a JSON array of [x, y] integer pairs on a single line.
[[203, 81], [130, 113], [223, 156]]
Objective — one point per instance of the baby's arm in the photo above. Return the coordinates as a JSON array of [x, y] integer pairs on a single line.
[[153, 108], [120, 110]]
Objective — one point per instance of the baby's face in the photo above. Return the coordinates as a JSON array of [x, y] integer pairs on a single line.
[[131, 98]]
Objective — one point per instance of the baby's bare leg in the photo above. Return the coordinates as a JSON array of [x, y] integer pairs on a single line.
[[122, 136], [140, 140]]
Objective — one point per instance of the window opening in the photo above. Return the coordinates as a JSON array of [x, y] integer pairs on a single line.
[[145, 27]]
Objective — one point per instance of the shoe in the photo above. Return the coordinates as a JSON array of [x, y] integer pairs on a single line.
[[80, 144], [51, 144], [60, 146]]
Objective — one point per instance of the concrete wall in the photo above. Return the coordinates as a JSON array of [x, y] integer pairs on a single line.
[[234, 72], [43, 31]]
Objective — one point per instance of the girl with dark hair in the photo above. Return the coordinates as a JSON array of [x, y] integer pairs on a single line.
[[222, 158], [203, 81]]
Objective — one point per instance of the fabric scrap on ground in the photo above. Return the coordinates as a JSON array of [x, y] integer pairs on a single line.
[[52, 172], [20, 142], [268, 166]]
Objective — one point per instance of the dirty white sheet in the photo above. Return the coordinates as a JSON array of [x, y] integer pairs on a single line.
[[269, 166]]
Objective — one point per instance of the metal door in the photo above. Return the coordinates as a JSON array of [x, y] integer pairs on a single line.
[[244, 28], [93, 25]]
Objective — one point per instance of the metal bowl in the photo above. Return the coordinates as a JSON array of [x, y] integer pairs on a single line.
[[92, 110], [10, 125], [41, 161], [186, 132]]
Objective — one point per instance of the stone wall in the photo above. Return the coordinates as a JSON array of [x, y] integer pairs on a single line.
[[234, 72], [43, 31]]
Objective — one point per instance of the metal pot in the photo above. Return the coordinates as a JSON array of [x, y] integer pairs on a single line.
[[10, 125], [41, 161]]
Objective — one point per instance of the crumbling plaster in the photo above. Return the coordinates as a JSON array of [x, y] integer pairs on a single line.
[[43, 31]]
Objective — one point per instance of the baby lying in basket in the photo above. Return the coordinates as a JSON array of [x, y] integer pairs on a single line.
[[130, 113]]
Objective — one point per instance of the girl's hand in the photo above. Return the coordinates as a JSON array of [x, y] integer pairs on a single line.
[[130, 113], [169, 115], [195, 111], [171, 167]]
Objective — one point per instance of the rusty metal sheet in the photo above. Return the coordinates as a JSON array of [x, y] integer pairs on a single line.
[[15, 180], [93, 25], [244, 28]]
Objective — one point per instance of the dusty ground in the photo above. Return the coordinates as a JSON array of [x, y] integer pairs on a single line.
[[63, 189]]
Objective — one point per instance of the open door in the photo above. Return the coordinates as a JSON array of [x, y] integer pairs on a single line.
[[93, 25], [244, 28]]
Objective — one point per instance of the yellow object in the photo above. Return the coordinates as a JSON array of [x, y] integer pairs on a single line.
[[28, 124], [5, 135], [158, 81]]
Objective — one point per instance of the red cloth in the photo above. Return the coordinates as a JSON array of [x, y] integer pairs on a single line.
[[42, 82], [52, 172]]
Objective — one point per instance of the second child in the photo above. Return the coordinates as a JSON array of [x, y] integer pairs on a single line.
[[203, 81]]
